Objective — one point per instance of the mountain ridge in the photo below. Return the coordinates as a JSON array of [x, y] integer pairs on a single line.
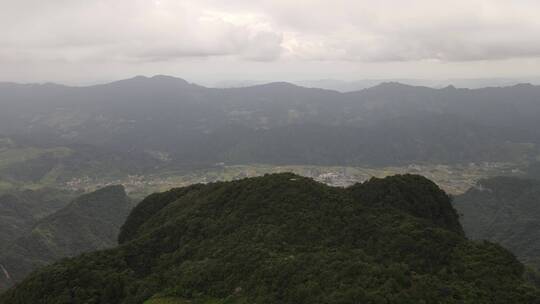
[[390, 124], [383, 84], [288, 239]]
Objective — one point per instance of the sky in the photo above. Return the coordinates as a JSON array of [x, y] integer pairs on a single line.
[[92, 41]]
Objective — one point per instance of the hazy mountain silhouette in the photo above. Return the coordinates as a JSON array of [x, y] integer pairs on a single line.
[[386, 124]]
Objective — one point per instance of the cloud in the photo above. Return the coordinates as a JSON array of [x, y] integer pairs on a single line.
[[134, 30], [269, 30], [415, 30]]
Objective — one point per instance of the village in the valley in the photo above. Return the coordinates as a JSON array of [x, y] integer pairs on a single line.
[[453, 179]]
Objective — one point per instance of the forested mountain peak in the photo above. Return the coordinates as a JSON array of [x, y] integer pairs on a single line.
[[283, 238], [413, 194]]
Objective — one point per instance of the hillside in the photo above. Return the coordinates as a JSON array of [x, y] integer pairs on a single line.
[[283, 238], [27, 162], [504, 210], [90, 222], [21, 209]]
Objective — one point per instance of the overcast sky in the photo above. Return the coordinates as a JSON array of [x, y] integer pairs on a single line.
[[87, 41]]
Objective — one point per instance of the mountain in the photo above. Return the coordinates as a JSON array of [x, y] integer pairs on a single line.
[[287, 239], [21, 209], [276, 123], [505, 210], [470, 83], [90, 222]]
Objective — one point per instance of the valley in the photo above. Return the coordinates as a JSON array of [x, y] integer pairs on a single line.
[[35, 168], [455, 179]]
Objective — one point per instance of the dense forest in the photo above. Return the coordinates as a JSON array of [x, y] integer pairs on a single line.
[[283, 238]]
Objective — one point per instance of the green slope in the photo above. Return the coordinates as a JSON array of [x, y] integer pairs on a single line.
[[90, 222], [505, 210], [286, 239], [21, 209]]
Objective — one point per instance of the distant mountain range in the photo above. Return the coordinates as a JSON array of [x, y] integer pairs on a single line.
[[287, 239], [357, 85], [183, 124], [470, 83]]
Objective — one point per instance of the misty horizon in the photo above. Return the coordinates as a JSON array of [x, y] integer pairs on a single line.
[[328, 83]]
